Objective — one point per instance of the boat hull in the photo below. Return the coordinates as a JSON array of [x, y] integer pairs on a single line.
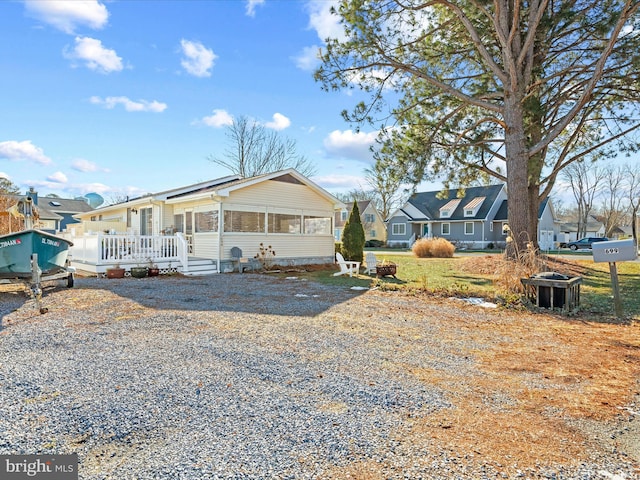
[[16, 250]]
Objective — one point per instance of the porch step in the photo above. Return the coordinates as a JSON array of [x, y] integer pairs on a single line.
[[201, 266]]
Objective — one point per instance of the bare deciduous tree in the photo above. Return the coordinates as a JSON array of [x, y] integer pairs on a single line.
[[632, 174], [255, 150], [585, 182]]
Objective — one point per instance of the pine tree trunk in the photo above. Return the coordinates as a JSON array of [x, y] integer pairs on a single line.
[[522, 207]]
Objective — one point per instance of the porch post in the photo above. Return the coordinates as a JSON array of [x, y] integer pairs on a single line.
[[220, 228]]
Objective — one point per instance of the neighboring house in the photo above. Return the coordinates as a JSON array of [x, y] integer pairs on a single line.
[[568, 230], [55, 214], [283, 210], [475, 220], [548, 225], [372, 221]]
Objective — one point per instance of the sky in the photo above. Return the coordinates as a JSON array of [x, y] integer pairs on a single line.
[[127, 97]]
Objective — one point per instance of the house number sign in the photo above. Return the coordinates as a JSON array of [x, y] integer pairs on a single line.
[[615, 251]]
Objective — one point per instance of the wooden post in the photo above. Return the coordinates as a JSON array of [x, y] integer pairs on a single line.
[[617, 301]]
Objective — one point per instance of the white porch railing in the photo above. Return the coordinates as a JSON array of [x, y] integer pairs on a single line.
[[183, 248], [103, 249]]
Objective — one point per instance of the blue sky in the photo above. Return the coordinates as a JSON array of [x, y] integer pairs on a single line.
[[126, 97]]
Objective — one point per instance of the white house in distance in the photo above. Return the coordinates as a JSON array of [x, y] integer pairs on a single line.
[[193, 228], [372, 221]]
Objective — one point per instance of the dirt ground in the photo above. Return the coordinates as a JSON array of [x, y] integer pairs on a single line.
[[545, 389]]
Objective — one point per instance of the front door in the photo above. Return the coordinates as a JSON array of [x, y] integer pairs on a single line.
[[425, 230], [184, 223]]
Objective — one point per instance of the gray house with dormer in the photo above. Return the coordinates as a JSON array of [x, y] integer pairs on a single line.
[[473, 220]]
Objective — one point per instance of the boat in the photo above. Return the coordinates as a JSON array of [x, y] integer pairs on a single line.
[[17, 249], [31, 256]]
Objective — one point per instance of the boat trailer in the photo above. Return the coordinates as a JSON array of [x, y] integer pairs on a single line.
[[34, 283]]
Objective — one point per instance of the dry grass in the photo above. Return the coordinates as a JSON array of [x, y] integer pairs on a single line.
[[538, 387], [549, 373], [507, 273], [433, 247]]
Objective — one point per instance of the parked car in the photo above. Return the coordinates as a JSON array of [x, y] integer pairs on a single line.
[[585, 242]]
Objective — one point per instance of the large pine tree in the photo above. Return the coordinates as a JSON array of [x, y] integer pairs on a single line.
[[516, 90]]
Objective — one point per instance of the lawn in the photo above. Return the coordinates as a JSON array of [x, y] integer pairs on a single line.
[[470, 276]]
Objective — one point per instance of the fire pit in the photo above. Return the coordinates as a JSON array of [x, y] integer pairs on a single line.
[[386, 269]]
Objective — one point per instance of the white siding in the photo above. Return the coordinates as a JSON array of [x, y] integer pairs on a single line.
[[205, 245], [285, 246], [283, 194]]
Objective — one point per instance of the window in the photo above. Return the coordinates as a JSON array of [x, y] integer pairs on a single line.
[[178, 221], [471, 208], [248, 222], [369, 217], [398, 229], [344, 216], [447, 210], [445, 229], [468, 228], [146, 221], [206, 221], [317, 225], [283, 223], [372, 233]]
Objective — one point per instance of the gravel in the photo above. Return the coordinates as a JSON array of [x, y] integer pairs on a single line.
[[235, 377]]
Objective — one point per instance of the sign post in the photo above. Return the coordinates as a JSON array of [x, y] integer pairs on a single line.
[[615, 251]]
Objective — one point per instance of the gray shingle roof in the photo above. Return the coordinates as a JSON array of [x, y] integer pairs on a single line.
[[430, 203]]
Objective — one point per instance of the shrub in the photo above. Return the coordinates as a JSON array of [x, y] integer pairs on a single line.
[[433, 247], [374, 243], [353, 236]]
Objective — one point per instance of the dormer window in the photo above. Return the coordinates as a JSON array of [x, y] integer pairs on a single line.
[[447, 210], [471, 208]]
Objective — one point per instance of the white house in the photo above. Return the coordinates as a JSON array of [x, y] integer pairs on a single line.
[[195, 227]]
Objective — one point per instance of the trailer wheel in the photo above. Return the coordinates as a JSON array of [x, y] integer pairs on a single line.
[[70, 281]]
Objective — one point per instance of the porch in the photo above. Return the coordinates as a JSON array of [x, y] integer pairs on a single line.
[[94, 253]]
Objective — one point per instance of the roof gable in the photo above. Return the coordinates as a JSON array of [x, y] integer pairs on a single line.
[[434, 201]]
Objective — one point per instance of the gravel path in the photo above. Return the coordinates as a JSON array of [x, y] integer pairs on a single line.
[[240, 377]]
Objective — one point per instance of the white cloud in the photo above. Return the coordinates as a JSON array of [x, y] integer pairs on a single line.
[[337, 182], [129, 105], [94, 55], [280, 122], [308, 60], [251, 7], [58, 177], [85, 166], [198, 59], [13, 150], [100, 188], [66, 15], [220, 118], [326, 24], [5, 175], [349, 144]]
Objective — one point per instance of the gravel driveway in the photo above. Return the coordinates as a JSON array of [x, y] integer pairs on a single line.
[[249, 376]]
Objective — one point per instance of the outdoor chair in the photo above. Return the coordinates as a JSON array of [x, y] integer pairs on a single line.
[[371, 262], [236, 254], [346, 267]]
